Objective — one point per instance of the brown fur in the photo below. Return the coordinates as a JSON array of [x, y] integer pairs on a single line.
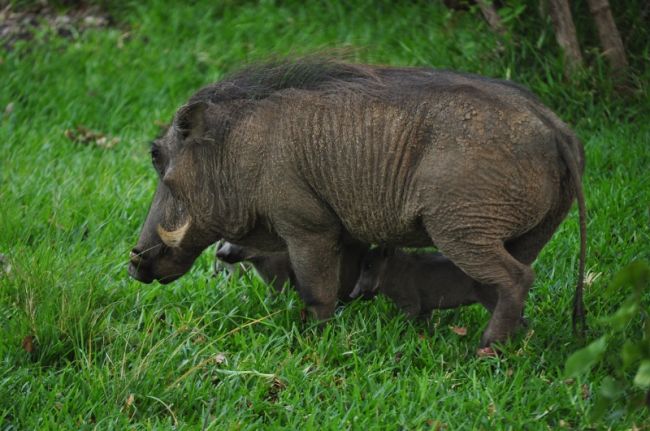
[[311, 156]]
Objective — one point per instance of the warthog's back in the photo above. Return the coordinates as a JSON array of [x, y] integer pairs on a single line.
[[371, 151]]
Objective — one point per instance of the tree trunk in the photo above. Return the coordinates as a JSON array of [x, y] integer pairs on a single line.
[[565, 34], [491, 16], [458, 4], [610, 40]]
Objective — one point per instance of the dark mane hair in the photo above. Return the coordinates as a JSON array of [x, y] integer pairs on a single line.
[[321, 73], [259, 81]]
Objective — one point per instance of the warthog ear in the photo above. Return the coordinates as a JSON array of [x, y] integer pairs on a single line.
[[190, 119]]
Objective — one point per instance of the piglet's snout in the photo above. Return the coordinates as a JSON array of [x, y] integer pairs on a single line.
[[229, 253]]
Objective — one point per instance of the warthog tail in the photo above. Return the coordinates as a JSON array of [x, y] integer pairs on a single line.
[[564, 146]]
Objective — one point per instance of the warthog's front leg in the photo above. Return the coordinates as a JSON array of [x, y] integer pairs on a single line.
[[316, 261]]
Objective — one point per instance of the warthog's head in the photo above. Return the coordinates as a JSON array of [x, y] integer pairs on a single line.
[[373, 267], [188, 199]]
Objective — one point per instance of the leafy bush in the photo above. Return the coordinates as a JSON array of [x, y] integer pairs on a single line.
[[628, 333], [529, 53]]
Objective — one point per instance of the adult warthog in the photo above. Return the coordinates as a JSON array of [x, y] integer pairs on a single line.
[[312, 156]]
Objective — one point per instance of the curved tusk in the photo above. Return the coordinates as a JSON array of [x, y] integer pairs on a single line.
[[356, 291], [173, 239]]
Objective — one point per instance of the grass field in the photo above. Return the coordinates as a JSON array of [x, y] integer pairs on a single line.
[[82, 345]]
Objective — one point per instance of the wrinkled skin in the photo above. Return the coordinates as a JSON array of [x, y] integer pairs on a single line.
[[308, 156], [419, 283]]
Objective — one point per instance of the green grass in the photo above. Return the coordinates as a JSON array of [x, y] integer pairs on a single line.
[[222, 352]]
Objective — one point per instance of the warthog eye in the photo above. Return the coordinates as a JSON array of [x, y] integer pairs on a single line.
[[156, 158]]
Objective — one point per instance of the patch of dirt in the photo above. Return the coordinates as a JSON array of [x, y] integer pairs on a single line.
[[24, 23], [29, 344], [273, 393], [86, 136], [459, 330]]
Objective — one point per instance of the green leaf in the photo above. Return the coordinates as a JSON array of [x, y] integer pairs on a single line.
[[600, 406], [582, 360], [630, 353], [636, 274], [642, 378], [624, 314], [636, 401], [610, 388]]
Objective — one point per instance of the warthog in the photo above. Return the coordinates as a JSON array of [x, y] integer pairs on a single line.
[[419, 283], [275, 267], [312, 155]]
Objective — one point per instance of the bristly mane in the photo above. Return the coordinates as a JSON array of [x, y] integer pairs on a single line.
[[260, 81]]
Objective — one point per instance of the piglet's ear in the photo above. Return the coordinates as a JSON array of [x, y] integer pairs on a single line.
[[191, 119]]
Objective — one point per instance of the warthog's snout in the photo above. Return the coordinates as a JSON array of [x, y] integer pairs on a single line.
[[134, 257], [162, 253], [145, 265], [159, 262], [138, 267]]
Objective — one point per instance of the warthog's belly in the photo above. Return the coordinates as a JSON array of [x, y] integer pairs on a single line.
[[389, 231]]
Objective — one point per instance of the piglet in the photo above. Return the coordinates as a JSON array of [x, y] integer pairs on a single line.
[[272, 267], [419, 283]]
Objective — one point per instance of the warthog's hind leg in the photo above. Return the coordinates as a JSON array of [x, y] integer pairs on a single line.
[[491, 265], [512, 281]]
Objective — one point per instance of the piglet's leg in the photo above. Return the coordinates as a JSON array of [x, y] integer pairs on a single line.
[[486, 295], [350, 269], [316, 261]]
